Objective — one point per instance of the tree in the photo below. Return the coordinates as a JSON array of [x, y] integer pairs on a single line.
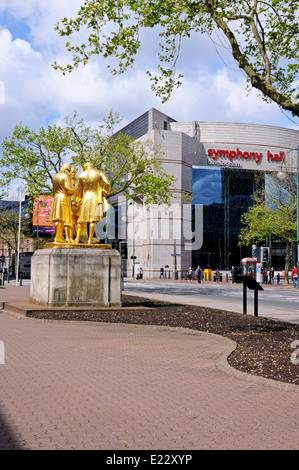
[[274, 213], [33, 157], [9, 227], [262, 36], [133, 168]]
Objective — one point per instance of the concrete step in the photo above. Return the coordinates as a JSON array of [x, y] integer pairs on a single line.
[[27, 308]]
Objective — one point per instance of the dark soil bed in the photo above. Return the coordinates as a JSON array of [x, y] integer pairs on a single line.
[[264, 346]]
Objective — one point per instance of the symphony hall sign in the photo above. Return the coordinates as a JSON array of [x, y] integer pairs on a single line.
[[238, 154]]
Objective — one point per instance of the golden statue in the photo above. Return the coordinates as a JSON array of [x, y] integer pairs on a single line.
[[61, 208], [92, 190], [75, 207]]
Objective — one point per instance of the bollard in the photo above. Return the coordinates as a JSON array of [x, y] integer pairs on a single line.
[[21, 277]]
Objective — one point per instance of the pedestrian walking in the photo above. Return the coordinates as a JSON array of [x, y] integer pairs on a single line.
[[217, 275], [265, 276], [234, 274], [189, 273], [162, 272], [295, 276], [198, 274], [271, 276]]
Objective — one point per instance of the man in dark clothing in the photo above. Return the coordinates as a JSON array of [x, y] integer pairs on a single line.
[[198, 274], [234, 273], [271, 276]]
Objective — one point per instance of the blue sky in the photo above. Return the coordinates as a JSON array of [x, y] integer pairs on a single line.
[[18, 28], [31, 91]]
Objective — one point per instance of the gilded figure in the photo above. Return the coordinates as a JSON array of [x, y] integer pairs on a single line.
[[92, 190], [61, 208], [75, 207]]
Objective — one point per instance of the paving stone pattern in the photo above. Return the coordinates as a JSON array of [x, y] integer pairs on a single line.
[[69, 385], [72, 385]]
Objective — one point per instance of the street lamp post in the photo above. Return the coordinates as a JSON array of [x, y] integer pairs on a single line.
[[17, 258], [281, 175]]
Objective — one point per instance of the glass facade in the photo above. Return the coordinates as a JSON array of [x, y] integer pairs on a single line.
[[225, 193]]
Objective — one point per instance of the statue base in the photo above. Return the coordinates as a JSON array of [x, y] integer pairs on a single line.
[[64, 276], [102, 246]]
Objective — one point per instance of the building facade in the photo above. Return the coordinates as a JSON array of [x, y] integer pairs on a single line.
[[217, 163]]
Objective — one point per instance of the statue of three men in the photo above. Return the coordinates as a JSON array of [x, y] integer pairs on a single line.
[[78, 202]]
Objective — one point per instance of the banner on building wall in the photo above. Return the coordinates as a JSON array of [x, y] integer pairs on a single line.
[[41, 212]]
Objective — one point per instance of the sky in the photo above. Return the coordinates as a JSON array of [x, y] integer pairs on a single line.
[[33, 93]]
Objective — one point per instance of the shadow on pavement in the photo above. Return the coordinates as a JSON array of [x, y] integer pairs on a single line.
[[8, 440]]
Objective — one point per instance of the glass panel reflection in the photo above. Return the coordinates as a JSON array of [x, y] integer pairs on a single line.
[[225, 194]]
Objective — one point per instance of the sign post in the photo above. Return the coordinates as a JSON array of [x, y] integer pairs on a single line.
[[250, 283]]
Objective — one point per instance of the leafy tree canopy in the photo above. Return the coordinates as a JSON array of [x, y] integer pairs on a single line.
[[274, 212], [133, 168], [9, 227], [263, 39]]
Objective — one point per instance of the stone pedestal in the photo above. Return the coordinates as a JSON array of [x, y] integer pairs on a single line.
[[76, 276]]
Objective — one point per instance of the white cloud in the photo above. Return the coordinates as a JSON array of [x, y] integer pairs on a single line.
[[35, 93], [220, 96], [15, 54]]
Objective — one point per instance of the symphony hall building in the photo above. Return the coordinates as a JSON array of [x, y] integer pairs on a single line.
[[217, 163]]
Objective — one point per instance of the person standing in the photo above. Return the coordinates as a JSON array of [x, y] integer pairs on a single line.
[[295, 276], [162, 272], [265, 276], [234, 274], [190, 274], [271, 276], [198, 274], [217, 275]]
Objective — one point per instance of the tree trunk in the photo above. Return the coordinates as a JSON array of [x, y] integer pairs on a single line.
[[287, 263]]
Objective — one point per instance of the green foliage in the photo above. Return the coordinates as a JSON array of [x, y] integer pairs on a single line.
[[133, 168], [274, 211], [257, 225], [9, 228], [263, 37], [33, 157]]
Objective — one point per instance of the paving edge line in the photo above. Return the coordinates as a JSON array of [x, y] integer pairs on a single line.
[[223, 365], [221, 361]]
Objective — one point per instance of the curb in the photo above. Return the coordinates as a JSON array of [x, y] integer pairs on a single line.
[[223, 365]]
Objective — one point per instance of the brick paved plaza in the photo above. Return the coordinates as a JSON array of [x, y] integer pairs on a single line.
[[71, 385]]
